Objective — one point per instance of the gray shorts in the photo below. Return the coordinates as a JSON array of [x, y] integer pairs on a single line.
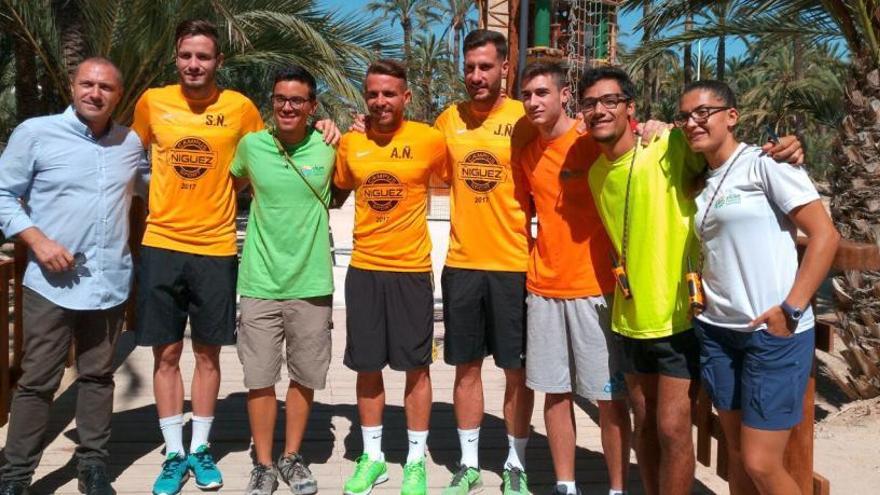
[[303, 325], [570, 348]]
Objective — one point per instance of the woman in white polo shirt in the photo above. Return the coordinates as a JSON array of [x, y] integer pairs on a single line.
[[756, 331]]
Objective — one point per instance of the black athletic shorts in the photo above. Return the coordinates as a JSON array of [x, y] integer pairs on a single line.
[[389, 319], [484, 313], [173, 285], [677, 356]]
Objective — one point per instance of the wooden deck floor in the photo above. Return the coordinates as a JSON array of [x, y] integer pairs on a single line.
[[332, 440]]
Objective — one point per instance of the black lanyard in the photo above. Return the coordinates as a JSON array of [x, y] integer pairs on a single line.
[[624, 240]]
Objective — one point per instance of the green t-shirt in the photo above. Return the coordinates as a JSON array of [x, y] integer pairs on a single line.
[[661, 238], [287, 247]]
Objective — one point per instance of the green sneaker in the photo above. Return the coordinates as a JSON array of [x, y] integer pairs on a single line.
[[367, 474], [515, 482], [466, 480], [415, 480]]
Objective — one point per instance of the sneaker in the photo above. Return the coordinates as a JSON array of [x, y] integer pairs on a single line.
[[560, 490], [93, 480], [174, 474], [202, 465], [264, 481], [466, 480], [415, 480], [515, 482], [297, 475], [14, 488], [367, 474]]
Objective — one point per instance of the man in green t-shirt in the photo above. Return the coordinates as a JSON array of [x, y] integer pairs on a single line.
[[285, 278], [645, 199]]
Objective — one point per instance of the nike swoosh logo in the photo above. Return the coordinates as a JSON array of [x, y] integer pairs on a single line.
[[360, 154], [413, 442], [461, 131], [472, 440], [380, 436]]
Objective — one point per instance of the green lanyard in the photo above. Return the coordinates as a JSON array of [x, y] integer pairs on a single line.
[[296, 169]]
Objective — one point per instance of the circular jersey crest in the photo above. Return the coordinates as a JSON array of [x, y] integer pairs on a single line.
[[383, 191], [481, 171], [191, 158]]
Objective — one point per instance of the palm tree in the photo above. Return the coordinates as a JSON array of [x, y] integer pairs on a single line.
[[853, 187], [457, 11], [257, 35], [405, 13], [433, 76]]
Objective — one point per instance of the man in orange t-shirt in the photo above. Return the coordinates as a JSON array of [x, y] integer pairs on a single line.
[[484, 278], [389, 288], [570, 346]]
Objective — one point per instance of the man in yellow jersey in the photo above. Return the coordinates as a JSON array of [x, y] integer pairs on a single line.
[[388, 288], [644, 196], [188, 260], [484, 277]]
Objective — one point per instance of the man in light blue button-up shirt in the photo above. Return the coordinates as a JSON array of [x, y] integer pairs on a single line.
[[66, 184]]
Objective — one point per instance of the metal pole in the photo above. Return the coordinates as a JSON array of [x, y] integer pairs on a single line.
[[523, 42]]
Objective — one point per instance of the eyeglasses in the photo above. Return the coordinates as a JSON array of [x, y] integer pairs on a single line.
[[295, 101], [609, 101], [699, 114]]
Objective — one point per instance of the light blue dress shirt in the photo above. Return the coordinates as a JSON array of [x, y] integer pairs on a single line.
[[77, 190]]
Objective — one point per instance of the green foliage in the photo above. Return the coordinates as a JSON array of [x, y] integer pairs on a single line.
[[258, 36]]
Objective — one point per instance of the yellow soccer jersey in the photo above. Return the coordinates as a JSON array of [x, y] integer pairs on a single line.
[[389, 175], [191, 143], [489, 228]]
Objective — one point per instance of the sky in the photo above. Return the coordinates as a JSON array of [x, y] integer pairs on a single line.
[[628, 35]]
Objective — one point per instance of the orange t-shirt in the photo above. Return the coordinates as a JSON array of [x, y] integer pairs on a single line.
[[571, 258], [489, 228], [191, 143], [389, 175]]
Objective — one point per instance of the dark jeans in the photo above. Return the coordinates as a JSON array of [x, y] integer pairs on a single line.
[[48, 332]]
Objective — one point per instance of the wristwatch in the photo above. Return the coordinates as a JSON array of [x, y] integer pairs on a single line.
[[792, 312]]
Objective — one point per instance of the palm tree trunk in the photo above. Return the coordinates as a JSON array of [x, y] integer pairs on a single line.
[[721, 54], [27, 97], [855, 207], [456, 46], [70, 30], [406, 24], [688, 56], [647, 72]]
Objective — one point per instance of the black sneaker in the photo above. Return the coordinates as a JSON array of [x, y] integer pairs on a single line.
[[296, 474], [93, 480], [14, 488]]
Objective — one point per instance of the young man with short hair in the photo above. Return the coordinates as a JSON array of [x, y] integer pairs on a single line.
[[570, 348], [285, 279], [484, 276], [388, 288], [66, 184]]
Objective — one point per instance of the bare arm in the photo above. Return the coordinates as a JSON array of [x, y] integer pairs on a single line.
[[822, 241], [788, 150]]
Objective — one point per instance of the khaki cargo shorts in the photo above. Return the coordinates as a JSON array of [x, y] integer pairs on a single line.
[[301, 327]]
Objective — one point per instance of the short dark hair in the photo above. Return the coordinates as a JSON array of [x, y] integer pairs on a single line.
[[719, 89], [388, 67], [197, 27], [297, 73], [99, 60], [595, 74], [481, 37], [546, 68]]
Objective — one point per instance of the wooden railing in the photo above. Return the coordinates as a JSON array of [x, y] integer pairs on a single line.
[[11, 274]]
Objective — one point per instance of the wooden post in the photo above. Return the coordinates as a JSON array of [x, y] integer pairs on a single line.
[[18, 322], [5, 375]]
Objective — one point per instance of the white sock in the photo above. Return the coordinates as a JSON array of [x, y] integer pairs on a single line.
[[201, 426], [616, 492], [570, 487], [172, 432], [470, 447], [373, 442], [516, 453], [418, 442]]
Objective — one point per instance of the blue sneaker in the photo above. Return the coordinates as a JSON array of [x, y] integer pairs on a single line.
[[175, 472], [207, 475]]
